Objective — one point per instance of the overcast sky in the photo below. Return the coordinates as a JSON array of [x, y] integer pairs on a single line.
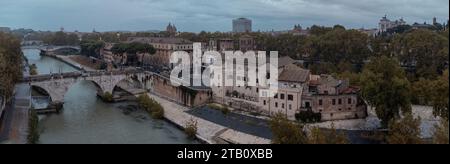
[[211, 15]]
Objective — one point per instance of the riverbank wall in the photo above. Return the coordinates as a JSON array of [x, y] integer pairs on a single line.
[[207, 132], [65, 60]]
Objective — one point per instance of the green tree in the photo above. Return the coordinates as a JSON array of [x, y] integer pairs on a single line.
[[404, 131], [386, 88], [331, 136], [286, 132], [11, 59], [342, 45], [440, 135], [91, 48], [422, 91], [440, 96], [424, 49]]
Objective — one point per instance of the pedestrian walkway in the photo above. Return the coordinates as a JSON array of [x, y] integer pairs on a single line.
[[15, 123], [206, 130]]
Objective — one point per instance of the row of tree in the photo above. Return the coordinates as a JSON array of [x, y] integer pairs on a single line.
[[10, 64], [61, 39]]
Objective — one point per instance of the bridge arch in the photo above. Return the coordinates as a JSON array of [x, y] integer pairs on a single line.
[[42, 91], [131, 82]]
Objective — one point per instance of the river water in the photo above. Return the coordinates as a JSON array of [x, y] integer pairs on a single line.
[[87, 120]]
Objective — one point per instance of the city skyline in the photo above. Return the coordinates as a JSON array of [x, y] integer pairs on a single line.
[[196, 16]]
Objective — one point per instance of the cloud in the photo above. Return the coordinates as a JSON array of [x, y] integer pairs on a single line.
[[211, 15]]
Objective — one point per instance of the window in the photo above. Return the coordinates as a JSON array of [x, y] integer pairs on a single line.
[[282, 105], [290, 97], [282, 96], [264, 102], [257, 90], [334, 102], [290, 106], [349, 101], [340, 101], [320, 102], [276, 105], [307, 104], [276, 96]]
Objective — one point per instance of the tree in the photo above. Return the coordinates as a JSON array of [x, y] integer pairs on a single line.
[[341, 45], [60, 39], [422, 91], [286, 132], [386, 88], [440, 96], [91, 48], [404, 131], [331, 136], [424, 49], [11, 59], [440, 135]]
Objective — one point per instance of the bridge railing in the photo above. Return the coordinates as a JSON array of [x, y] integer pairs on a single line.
[[46, 77]]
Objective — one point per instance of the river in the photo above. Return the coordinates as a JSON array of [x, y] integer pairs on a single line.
[[87, 120]]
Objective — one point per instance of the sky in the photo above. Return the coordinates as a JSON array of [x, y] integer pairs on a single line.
[[211, 15]]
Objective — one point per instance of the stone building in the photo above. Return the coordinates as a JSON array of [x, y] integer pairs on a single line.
[[171, 29], [298, 90], [188, 96], [246, 43], [386, 24], [164, 48]]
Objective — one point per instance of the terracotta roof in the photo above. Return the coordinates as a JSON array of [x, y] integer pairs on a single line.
[[284, 61], [350, 90], [293, 73]]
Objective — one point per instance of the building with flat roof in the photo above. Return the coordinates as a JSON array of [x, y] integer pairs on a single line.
[[242, 25]]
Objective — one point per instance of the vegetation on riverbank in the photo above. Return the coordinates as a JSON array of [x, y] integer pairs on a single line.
[[33, 69], [151, 106], [219, 107], [191, 128], [108, 97], [33, 131], [10, 64]]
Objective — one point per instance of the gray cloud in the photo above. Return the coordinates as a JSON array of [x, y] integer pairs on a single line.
[[211, 15]]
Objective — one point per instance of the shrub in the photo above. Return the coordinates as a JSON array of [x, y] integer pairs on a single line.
[[33, 133], [308, 116], [151, 106], [221, 108], [108, 97], [191, 128]]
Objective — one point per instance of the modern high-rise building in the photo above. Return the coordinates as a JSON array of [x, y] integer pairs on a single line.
[[241, 25]]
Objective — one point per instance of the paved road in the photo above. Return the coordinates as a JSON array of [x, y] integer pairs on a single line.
[[15, 123]]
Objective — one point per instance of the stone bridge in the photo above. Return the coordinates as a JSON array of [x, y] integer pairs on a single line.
[[60, 49], [57, 85]]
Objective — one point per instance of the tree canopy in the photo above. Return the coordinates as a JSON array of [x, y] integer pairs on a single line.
[[385, 87], [10, 63]]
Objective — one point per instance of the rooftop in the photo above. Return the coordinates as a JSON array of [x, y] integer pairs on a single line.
[[164, 40], [293, 73]]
